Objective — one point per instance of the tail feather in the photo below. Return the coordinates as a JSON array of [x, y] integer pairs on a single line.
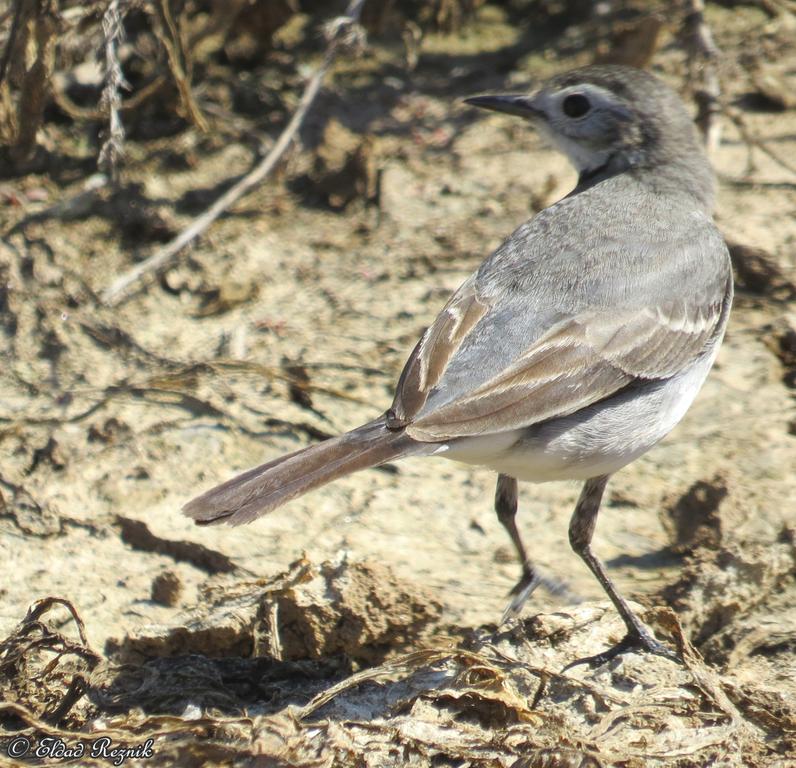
[[260, 490]]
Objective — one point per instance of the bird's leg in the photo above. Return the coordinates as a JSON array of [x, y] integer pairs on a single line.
[[581, 530], [506, 508]]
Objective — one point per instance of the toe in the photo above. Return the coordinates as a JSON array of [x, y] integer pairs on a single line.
[[632, 642]]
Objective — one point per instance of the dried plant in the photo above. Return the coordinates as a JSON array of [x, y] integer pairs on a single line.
[[171, 33], [27, 66], [113, 146], [703, 57]]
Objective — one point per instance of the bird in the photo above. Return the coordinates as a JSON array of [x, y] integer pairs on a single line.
[[577, 344]]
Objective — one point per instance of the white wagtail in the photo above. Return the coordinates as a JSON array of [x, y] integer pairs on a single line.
[[576, 346]]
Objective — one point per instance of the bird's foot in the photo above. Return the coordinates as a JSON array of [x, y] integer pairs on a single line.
[[639, 639], [520, 593]]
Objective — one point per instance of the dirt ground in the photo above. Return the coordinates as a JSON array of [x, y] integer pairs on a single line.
[[359, 624]]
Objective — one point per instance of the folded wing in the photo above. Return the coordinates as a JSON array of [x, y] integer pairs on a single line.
[[571, 362]]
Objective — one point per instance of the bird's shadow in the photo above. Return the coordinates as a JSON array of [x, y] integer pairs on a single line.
[[661, 558]]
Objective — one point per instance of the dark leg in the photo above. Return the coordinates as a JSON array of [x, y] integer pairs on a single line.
[[581, 530], [506, 508]]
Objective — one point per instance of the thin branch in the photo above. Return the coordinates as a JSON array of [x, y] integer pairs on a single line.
[[113, 145], [171, 34], [35, 76], [702, 58], [747, 183], [739, 122], [340, 35]]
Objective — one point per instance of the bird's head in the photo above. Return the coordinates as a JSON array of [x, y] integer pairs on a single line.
[[608, 119]]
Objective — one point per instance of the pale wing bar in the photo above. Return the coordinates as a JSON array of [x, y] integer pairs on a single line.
[[578, 362]]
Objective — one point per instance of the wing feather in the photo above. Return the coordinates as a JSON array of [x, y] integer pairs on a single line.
[[578, 362]]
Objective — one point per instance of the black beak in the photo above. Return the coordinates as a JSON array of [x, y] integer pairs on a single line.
[[522, 106]]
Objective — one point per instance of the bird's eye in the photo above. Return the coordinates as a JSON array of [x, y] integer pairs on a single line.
[[575, 105]]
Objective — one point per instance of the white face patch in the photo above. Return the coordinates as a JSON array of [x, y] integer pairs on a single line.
[[600, 99], [586, 140], [583, 158]]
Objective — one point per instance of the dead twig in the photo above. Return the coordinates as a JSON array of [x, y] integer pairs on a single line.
[[738, 121], [753, 184], [28, 63], [702, 60], [78, 113], [340, 35], [113, 146], [172, 36], [40, 607], [21, 653]]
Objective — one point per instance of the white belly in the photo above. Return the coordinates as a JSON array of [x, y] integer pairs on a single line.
[[598, 440]]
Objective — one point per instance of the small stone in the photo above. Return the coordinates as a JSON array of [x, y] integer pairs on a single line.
[[166, 589]]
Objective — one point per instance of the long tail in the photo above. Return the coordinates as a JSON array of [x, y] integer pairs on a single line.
[[248, 496]]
